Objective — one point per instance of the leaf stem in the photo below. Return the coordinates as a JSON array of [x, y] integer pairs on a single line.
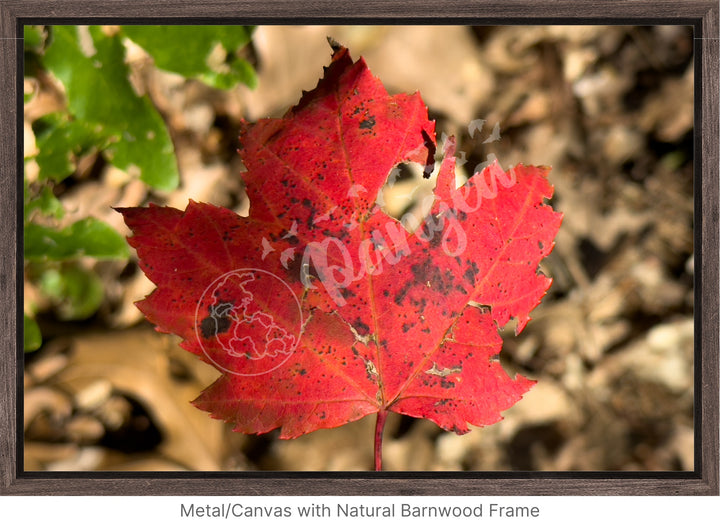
[[379, 426]]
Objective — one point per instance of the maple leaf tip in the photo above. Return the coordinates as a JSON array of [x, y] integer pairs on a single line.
[[336, 46]]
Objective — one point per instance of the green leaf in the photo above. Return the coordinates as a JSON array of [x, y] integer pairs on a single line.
[[33, 38], [32, 339], [75, 292], [60, 140], [46, 203], [193, 51], [87, 237], [91, 67]]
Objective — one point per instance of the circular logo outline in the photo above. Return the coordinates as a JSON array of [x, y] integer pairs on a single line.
[[197, 316]]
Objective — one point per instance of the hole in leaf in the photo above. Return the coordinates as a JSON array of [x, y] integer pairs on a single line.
[[407, 196]]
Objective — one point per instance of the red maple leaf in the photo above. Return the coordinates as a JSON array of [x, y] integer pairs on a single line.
[[319, 308]]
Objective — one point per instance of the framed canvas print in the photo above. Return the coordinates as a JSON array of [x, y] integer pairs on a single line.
[[288, 249]]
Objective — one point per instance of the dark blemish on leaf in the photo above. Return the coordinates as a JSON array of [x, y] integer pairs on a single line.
[[346, 293], [400, 296], [540, 244], [436, 239], [361, 327], [296, 267], [210, 327], [469, 275], [311, 216], [368, 123], [292, 239], [432, 230], [217, 322], [426, 330], [420, 304], [445, 383], [386, 293], [421, 272], [355, 351], [460, 289], [407, 326]]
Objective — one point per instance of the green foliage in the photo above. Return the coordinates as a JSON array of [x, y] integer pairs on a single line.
[[45, 202], [31, 334], [33, 38], [60, 142], [207, 53], [76, 293], [87, 237], [99, 94], [104, 114]]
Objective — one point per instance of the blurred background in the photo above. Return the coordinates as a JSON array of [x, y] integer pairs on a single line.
[[611, 344]]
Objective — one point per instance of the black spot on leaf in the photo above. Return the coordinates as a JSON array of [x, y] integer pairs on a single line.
[[212, 326], [361, 327], [368, 123]]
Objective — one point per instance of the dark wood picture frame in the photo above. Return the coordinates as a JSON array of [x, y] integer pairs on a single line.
[[701, 14]]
